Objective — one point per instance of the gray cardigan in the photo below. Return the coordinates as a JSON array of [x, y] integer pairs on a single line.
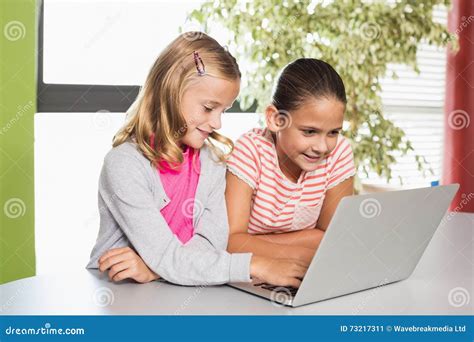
[[130, 198]]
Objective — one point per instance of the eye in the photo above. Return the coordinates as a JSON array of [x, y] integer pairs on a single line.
[[309, 131], [208, 109], [334, 133]]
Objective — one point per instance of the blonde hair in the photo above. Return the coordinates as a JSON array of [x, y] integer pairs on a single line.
[[156, 111]]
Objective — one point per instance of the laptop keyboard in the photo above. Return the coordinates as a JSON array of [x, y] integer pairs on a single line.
[[284, 289]]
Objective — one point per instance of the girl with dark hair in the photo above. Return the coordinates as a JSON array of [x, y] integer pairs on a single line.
[[284, 181]]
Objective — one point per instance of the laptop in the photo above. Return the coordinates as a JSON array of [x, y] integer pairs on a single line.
[[372, 240]]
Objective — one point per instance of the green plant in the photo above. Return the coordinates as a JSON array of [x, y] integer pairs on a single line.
[[358, 38]]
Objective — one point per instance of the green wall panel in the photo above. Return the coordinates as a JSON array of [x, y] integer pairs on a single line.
[[18, 32]]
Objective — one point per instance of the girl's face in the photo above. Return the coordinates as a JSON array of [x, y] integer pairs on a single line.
[[308, 136], [202, 106]]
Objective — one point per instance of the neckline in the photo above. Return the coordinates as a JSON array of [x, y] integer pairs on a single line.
[[186, 150], [199, 189]]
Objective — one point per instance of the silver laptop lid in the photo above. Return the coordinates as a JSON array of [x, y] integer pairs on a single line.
[[373, 240]]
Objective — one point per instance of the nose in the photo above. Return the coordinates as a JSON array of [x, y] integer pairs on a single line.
[[320, 145], [215, 122]]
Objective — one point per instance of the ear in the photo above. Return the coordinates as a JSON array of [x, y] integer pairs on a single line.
[[277, 120], [270, 112]]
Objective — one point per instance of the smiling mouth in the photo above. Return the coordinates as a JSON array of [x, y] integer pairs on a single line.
[[312, 158], [205, 134]]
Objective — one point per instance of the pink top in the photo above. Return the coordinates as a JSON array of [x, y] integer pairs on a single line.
[[180, 186], [278, 204]]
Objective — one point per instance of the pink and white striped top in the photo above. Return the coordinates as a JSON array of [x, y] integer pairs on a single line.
[[278, 204]]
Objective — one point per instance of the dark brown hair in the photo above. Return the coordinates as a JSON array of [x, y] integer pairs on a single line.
[[305, 78]]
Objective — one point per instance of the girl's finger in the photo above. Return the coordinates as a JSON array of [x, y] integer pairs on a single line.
[[303, 271], [111, 261], [117, 268], [300, 263], [112, 252], [294, 282], [125, 274], [299, 272]]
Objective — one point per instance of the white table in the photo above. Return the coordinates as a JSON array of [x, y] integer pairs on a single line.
[[445, 268]]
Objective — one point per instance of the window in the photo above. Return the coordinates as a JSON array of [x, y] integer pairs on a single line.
[[108, 42], [94, 55], [415, 104]]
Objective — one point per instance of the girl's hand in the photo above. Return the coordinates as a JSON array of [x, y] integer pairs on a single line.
[[124, 263], [303, 254], [279, 272]]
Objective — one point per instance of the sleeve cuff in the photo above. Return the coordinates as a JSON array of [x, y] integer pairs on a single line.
[[340, 180], [240, 267], [241, 176]]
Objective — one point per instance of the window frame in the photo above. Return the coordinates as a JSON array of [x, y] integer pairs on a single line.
[[73, 98], [78, 97]]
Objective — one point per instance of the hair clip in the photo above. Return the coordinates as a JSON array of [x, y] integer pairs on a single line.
[[199, 64]]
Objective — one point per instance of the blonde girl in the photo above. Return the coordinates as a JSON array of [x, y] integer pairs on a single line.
[[161, 189]]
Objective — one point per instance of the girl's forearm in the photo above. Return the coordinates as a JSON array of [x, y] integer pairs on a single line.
[[245, 243], [309, 238]]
